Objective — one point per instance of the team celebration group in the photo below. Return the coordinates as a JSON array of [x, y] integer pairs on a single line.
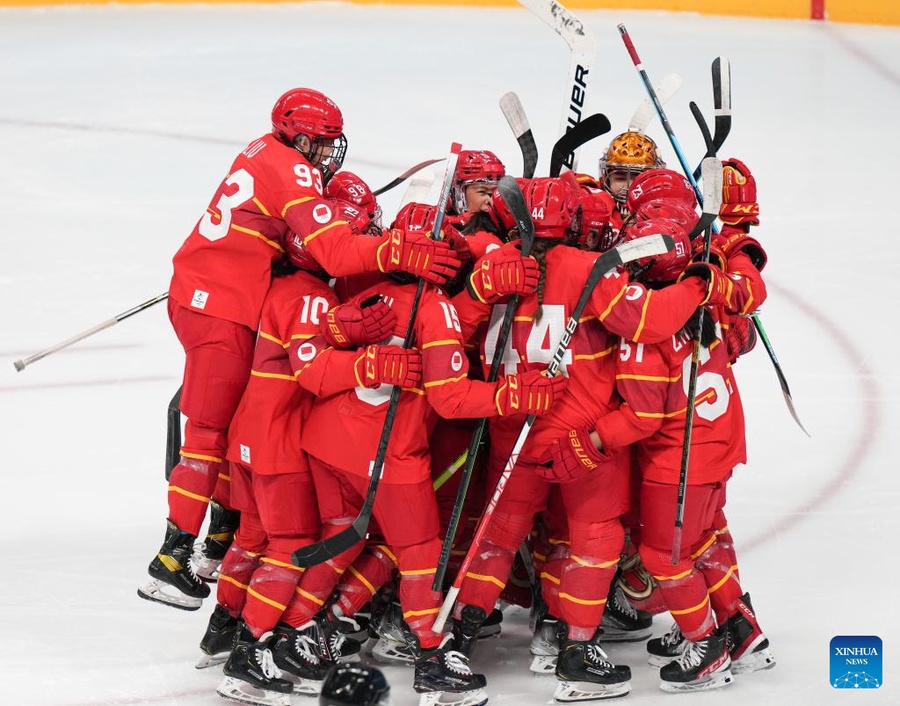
[[308, 326]]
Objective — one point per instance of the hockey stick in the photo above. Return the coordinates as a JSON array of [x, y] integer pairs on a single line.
[[721, 79], [22, 363], [332, 546], [583, 47], [641, 247], [585, 131], [173, 432], [406, 175], [515, 201], [418, 189], [644, 113], [785, 390], [514, 113], [712, 200]]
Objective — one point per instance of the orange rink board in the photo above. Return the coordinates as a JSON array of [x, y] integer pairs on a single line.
[[862, 11]]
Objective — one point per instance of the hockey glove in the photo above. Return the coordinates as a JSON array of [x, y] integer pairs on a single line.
[[528, 393], [389, 365], [734, 239], [739, 205], [500, 273], [351, 325], [416, 253], [571, 457], [740, 337], [719, 288]]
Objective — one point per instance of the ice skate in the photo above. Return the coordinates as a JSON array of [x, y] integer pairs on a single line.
[[544, 646], [492, 625], [331, 644], [586, 674], [219, 639], [251, 676], [622, 622], [208, 555], [294, 652], [394, 637], [467, 629], [704, 664], [748, 646], [443, 678], [174, 581], [662, 650]]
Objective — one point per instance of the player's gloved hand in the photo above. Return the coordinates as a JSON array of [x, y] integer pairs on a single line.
[[717, 255], [733, 239], [571, 457], [416, 253], [502, 272], [389, 365], [719, 288], [528, 393], [351, 325], [739, 205], [740, 337]]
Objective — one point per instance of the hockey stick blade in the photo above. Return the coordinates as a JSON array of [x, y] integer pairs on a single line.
[[512, 110], [711, 172], [320, 552], [406, 175], [645, 112], [782, 380], [645, 246], [721, 78], [418, 189], [515, 201], [580, 133]]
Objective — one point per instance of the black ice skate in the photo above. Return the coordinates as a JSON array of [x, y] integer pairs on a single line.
[[394, 637], [466, 630], [219, 638], [174, 581], [492, 625], [549, 632], [704, 664], [251, 676], [294, 652], [443, 678], [331, 644], [586, 674], [662, 650], [748, 647], [622, 622], [208, 555]]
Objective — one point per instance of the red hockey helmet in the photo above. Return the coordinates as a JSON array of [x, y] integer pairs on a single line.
[[415, 217], [347, 186], [473, 167], [658, 184], [665, 267], [553, 205], [596, 210], [666, 208], [311, 123]]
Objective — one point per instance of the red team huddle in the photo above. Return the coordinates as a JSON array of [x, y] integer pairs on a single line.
[[291, 302]]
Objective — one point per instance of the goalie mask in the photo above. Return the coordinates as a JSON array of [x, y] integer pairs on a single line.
[[311, 123], [627, 156]]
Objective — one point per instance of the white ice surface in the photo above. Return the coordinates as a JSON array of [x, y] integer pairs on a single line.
[[116, 123]]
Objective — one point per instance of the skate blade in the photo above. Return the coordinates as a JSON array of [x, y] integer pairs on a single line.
[[570, 691], [753, 662], [207, 661], [391, 653], [543, 665], [476, 697], [303, 687], [716, 680], [243, 693], [160, 592]]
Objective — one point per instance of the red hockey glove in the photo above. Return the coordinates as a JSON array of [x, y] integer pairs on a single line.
[[740, 337], [719, 288], [736, 240], [389, 365], [416, 253], [351, 325], [717, 254], [458, 243], [529, 393], [502, 272], [571, 457], [739, 206]]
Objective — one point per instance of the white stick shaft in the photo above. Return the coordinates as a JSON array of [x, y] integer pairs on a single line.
[[23, 363]]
